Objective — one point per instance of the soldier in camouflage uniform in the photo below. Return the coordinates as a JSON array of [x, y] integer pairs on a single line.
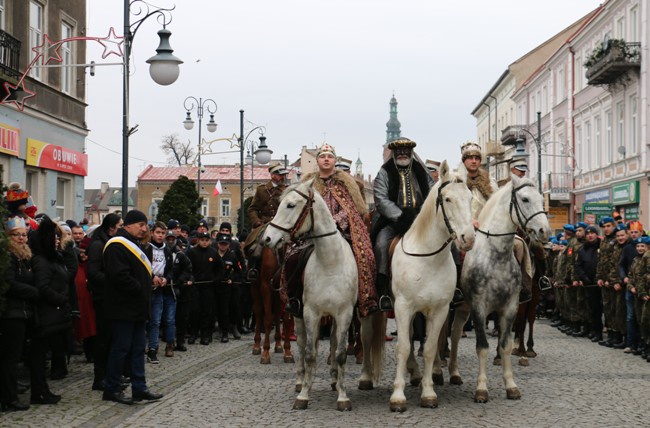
[[561, 263], [578, 305], [642, 291], [605, 262], [618, 308], [568, 293], [635, 279]]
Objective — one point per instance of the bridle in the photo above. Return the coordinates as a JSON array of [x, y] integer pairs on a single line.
[[307, 210], [452, 233], [521, 217]]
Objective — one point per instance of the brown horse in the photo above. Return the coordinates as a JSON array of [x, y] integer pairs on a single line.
[[268, 311]]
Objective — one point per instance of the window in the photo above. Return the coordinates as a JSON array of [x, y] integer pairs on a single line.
[[2, 14], [66, 56], [35, 33], [31, 184], [609, 143], [578, 145], [620, 128], [633, 131], [620, 27], [61, 194], [634, 26], [544, 100], [579, 72], [587, 146], [560, 85], [225, 208], [598, 142], [204, 208]]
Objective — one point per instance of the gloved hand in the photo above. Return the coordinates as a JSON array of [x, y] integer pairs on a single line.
[[405, 220]]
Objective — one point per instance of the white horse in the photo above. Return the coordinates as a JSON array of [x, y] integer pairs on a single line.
[[330, 284], [424, 276], [491, 277]]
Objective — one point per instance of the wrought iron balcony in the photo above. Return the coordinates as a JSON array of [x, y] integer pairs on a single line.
[[510, 135], [609, 65], [559, 185], [9, 57]]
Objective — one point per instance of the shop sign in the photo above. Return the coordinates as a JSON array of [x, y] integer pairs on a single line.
[[625, 193], [9, 140], [630, 212], [600, 196], [592, 213], [50, 156]]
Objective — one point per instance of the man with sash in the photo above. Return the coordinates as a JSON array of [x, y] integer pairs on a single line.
[[127, 303]]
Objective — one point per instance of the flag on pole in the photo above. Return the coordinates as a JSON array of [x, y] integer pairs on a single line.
[[217, 188]]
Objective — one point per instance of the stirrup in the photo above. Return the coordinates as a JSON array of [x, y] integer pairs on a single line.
[[458, 298], [252, 275], [544, 283], [525, 296], [385, 303]]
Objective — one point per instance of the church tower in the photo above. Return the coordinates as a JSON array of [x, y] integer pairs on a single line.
[[393, 127], [358, 170]]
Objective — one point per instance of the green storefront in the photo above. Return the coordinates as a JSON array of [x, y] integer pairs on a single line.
[[625, 199]]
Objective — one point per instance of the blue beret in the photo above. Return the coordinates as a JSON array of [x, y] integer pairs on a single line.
[[558, 237], [564, 242], [606, 220], [569, 227], [645, 239], [553, 240], [581, 224], [620, 226]]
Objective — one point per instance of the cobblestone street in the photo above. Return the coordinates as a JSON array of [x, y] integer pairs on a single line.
[[571, 383]]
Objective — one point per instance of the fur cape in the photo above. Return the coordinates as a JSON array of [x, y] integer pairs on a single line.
[[481, 183], [347, 181]]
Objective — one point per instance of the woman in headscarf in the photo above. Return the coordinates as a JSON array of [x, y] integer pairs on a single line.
[[20, 297]]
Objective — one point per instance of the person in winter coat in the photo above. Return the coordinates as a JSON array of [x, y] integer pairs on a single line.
[[20, 297], [182, 287], [53, 307]]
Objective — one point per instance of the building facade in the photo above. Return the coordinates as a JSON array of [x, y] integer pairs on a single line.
[[42, 112]]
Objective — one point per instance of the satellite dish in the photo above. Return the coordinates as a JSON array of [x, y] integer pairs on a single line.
[[621, 150]]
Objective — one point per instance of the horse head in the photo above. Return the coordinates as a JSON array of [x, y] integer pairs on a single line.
[[527, 209], [454, 202], [294, 216]]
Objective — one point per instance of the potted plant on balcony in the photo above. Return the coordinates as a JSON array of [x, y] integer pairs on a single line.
[[614, 49]]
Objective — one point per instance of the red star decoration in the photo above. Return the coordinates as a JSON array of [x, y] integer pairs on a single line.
[[17, 94], [45, 50], [112, 44]]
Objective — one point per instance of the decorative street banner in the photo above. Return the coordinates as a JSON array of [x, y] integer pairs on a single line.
[[49, 156], [9, 140]]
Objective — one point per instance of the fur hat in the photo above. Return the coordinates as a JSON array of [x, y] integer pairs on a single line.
[[326, 148], [225, 225], [401, 143], [470, 148], [134, 216]]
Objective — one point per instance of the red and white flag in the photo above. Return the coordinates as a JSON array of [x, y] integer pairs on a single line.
[[217, 188]]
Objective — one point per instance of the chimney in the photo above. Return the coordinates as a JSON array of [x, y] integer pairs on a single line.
[[103, 188]]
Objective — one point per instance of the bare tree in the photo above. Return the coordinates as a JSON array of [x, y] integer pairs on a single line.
[[177, 152]]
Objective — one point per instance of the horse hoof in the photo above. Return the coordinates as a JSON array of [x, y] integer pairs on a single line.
[[481, 396], [366, 385], [265, 360], [531, 354], [523, 361], [278, 349], [515, 352], [298, 387], [398, 406], [429, 402], [416, 381], [513, 393], [300, 404], [497, 361], [455, 380], [289, 359], [343, 406], [438, 379], [257, 351]]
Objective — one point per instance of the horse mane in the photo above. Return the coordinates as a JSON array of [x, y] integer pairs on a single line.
[[427, 213], [498, 195]]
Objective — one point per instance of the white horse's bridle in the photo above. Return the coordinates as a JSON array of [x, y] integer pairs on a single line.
[[308, 209]]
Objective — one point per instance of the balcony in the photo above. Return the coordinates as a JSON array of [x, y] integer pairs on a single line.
[[494, 148], [510, 135], [559, 185], [9, 58], [609, 65]]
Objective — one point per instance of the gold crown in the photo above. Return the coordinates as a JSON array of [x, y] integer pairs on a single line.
[[401, 143], [470, 148]]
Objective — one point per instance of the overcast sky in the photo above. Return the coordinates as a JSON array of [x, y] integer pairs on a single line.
[[314, 71]]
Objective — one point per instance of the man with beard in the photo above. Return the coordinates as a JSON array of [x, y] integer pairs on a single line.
[[401, 186]]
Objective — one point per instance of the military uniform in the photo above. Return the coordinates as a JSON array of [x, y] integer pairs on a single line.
[[607, 259], [265, 203]]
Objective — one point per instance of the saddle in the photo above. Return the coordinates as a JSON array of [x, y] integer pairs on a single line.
[[252, 244], [292, 275]]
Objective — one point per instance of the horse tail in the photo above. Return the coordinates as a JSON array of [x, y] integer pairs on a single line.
[[377, 345]]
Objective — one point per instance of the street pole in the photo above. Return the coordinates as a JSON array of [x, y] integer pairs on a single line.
[[539, 151], [241, 171], [128, 39], [198, 173]]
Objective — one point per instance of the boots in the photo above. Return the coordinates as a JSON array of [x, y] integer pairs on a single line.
[[224, 336], [152, 356], [253, 272], [582, 332], [607, 342], [384, 291], [619, 342], [169, 350], [234, 332]]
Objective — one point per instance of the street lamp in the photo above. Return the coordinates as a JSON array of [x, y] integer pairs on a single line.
[[163, 68], [190, 104], [520, 149]]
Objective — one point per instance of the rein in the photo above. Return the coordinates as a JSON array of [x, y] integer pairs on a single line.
[[452, 234], [520, 215], [308, 209]]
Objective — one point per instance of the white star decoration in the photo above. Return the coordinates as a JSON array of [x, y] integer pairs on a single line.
[[112, 44]]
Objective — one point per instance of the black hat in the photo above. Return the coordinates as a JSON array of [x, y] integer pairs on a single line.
[[203, 223], [173, 224], [170, 234], [225, 225], [185, 228], [134, 216], [202, 235], [222, 237]]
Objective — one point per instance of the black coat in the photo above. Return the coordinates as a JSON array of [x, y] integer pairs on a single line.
[[207, 266], [586, 263], [53, 306], [95, 264], [181, 273], [127, 295], [22, 292]]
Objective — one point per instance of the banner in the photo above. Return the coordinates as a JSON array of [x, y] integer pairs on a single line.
[[9, 140], [49, 156]]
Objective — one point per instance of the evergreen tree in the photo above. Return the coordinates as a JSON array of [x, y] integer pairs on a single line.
[[4, 255], [247, 221], [181, 202]]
